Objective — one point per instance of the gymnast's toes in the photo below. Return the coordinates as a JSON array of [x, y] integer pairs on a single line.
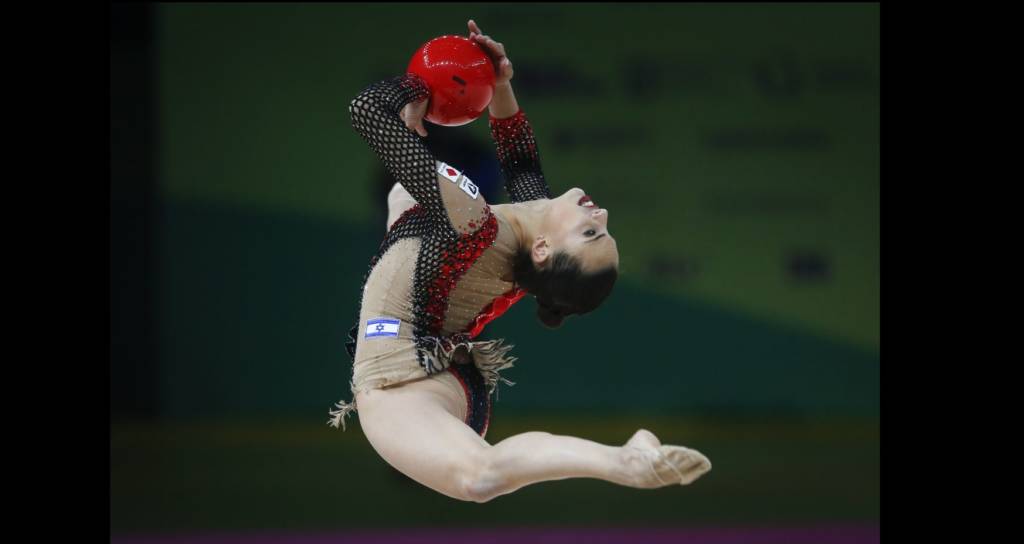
[[688, 464]]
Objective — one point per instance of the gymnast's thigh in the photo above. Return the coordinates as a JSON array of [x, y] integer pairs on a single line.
[[416, 428], [399, 200]]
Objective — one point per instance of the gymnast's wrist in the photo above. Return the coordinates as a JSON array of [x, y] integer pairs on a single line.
[[503, 104], [414, 89]]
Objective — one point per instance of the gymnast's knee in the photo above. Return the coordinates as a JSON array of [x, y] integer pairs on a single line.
[[479, 482]]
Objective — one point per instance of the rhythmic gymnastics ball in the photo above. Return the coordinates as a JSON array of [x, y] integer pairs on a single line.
[[460, 77]]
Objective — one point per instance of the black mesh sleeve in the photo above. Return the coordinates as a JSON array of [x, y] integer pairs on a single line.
[[520, 161], [375, 117]]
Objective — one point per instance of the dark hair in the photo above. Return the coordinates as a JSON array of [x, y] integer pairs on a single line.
[[562, 288]]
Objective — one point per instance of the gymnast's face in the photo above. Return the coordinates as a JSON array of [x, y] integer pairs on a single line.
[[576, 225]]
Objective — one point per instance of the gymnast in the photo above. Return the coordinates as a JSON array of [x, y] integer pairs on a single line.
[[449, 264]]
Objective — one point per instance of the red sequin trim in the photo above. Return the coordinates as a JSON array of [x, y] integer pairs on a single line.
[[405, 216], [492, 311], [454, 264], [487, 420], [510, 132], [469, 396]]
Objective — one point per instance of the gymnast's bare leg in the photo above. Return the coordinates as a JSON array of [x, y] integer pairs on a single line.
[[418, 428]]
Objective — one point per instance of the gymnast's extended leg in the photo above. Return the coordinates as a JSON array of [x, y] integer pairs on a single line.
[[417, 428]]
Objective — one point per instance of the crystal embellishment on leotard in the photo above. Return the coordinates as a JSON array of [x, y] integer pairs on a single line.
[[454, 262], [520, 160]]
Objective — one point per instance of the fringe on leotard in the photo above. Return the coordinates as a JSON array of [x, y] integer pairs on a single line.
[[437, 354], [343, 409], [489, 356]]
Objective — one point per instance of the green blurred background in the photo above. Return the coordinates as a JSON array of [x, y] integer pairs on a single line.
[[735, 145]]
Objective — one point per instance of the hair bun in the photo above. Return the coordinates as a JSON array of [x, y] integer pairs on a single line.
[[550, 318]]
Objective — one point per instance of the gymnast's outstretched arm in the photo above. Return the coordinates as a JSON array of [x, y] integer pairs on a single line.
[[510, 129]]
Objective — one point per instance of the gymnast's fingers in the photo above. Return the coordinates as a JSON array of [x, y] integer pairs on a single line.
[[494, 48]]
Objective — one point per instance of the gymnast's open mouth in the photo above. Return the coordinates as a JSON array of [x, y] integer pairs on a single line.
[[586, 202]]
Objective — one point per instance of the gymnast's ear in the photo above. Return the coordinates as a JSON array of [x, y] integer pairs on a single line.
[[540, 252]]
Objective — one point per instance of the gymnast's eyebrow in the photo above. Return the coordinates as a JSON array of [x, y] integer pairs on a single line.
[[594, 238]]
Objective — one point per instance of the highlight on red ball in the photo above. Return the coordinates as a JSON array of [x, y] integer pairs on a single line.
[[460, 77]]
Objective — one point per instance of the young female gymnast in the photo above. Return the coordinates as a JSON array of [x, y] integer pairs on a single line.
[[449, 264]]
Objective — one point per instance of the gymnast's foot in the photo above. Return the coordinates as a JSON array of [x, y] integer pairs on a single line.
[[652, 464]]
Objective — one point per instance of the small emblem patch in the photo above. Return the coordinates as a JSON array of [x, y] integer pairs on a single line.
[[382, 326], [469, 187], [448, 172]]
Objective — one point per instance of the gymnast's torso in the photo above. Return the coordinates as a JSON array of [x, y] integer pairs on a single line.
[[403, 323], [444, 269]]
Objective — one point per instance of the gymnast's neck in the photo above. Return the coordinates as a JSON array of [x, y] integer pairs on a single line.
[[525, 219]]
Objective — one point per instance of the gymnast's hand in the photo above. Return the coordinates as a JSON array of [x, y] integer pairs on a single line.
[[495, 50], [412, 115]]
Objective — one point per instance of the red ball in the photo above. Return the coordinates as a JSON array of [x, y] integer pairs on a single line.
[[460, 77]]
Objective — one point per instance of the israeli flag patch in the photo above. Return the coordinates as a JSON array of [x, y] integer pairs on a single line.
[[448, 172], [382, 326]]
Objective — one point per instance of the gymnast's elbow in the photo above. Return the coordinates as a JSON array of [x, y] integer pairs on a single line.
[[360, 110], [355, 111]]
